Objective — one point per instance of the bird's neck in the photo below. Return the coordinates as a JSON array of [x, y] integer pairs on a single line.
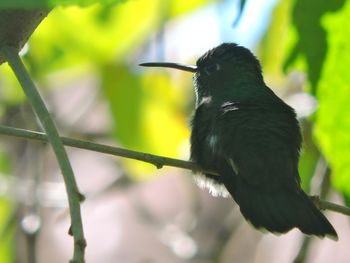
[[238, 92]]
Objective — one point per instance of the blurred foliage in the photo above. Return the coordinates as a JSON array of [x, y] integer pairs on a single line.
[[146, 110], [10, 90], [306, 18], [150, 111], [312, 38], [51, 3], [333, 93], [102, 40], [273, 55], [6, 211], [151, 115], [4, 163], [272, 52], [6, 232], [310, 156], [177, 7], [106, 34]]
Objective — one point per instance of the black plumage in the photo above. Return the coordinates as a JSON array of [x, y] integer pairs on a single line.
[[245, 133]]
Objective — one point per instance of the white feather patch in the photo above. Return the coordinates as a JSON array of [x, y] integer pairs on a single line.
[[213, 187], [212, 141], [233, 165]]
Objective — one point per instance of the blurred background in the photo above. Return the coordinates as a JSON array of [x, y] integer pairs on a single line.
[[85, 62]]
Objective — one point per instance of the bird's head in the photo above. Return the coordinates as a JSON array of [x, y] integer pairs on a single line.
[[222, 73]]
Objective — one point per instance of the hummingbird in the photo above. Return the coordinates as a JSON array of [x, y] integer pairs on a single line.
[[251, 140]]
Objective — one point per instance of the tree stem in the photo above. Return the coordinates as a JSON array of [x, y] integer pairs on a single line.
[[74, 197]]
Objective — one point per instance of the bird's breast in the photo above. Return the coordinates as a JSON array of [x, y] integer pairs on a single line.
[[205, 139], [212, 142]]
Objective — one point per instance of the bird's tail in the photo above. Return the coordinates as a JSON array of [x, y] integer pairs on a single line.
[[280, 211]]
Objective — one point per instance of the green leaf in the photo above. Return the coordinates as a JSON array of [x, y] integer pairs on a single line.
[[98, 34], [4, 163], [123, 91], [179, 7], [103, 36], [312, 42], [272, 52], [7, 233], [145, 110], [309, 157], [333, 116], [11, 91]]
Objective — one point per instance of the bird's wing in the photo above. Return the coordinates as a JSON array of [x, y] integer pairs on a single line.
[[261, 146], [261, 173]]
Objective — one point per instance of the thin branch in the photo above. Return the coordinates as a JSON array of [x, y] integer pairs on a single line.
[[325, 205], [74, 197], [158, 161]]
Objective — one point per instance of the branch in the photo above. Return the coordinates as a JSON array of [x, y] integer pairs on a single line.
[[158, 161], [325, 205], [74, 197]]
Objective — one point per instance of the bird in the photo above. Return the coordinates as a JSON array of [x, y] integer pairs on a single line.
[[250, 140]]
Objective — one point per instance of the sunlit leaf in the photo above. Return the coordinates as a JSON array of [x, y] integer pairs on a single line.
[[148, 111], [6, 208], [7, 250], [95, 34], [4, 163], [179, 7], [10, 90], [333, 117], [165, 125], [312, 37], [144, 114], [310, 155], [273, 55], [272, 52], [123, 91], [98, 34]]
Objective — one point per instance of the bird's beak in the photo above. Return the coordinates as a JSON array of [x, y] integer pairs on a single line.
[[189, 68]]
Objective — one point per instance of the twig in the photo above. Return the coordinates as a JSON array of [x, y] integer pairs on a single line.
[[325, 205], [74, 197], [158, 161]]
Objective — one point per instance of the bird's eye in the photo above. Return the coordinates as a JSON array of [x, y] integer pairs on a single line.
[[210, 69]]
